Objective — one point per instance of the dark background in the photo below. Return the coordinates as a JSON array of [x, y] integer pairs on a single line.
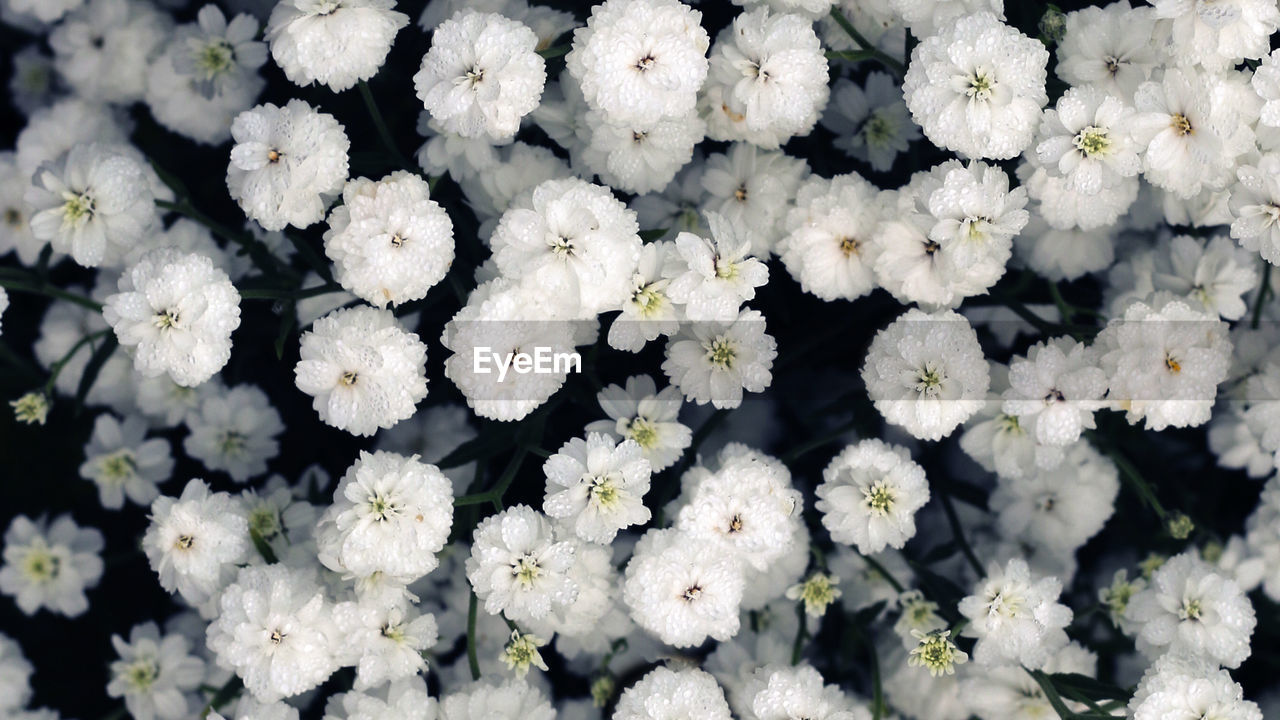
[[816, 387]]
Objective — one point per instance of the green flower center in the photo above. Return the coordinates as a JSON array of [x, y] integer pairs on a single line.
[[722, 353], [643, 432], [215, 58], [1092, 141], [879, 498]]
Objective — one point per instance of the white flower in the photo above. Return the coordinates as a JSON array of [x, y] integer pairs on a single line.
[[1110, 48], [177, 311], [391, 514], [976, 217], [753, 189], [386, 642], [102, 49], [926, 373], [650, 311], [640, 157], [235, 432], [275, 631], [481, 75], [1067, 254], [977, 87], [1015, 616], [1190, 136], [573, 240], [640, 60], [45, 11], [288, 163], [773, 72], [15, 676], [1165, 361], [1055, 390], [403, 699], [1266, 82], [333, 42], [828, 247], [220, 57], [779, 692], [596, 486], [929, 17], [1214, 275], [641, 413], [718, 274], [195, 541], [1179, 685], [389, 241], [1189, 608], [1216, 35], [121, 462], [1255, 207], [364, 371], [872, 123], [502, 318], [518, 568], [50, 565], [747, 510], [665, 694], [1058, 510], [713, 362], [511, 700], [521, 653], [154, 674], [1085, 138], [869, 496], [15, 225], [680, 593], [92, 204]]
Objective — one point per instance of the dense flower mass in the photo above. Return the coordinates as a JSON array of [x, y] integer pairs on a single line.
[[788, 360]]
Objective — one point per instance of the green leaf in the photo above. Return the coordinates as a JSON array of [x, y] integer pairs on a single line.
[[263, 548], [1089, 687], [94, 366], [651, 235]]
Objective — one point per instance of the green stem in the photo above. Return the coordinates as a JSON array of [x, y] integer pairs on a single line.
[[829, 437], [954, 520], [889, 62], [19, 284], [472, 660], [56, 368], [884, 573], [1133, 478], [1263, 291], [802, 634], [300, 294], [258, 253], [381, 125]]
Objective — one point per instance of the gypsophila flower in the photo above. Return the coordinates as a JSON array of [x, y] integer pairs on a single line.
[[333, 42], [404, 699], [713, 362], [640, 60], [596, 486], [154, 674], [362, 369], [32, 408], [513, 699], [817, 592], [642, 413], [780, 692], [518, 567], [1015, 616], [1179, 685], [102, 49], [640, 157], [718, 274], [870, 494], [92, 204], [1109, 47], [773, 73], [121, 462], [50, 565], [235, 432], [288, 163], [389, 241], [977, 87], [521, 652], [1116, 596], [1055, 390], [1086, 139], [926, 372], [829, 247], [220, 56], [918, 616], [15, 676], [481, 75], [928, 17], [1216, 36], [195, 541], [384, 642], [1190, 608], [177, 311], [936, 652], [1255, 207], [681, 594], [391, 515], [275, 631], [753, 189], [650, 311], [871, 123], [665, 694]]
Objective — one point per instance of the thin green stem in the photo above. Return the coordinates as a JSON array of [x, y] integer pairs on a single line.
[[1133, 478], [56, 368], [884, 573], [958, 532], [300, 294], [380, 124], [802, 634], [472, 660], [258, 253], [1263, 292], [884, 58], [829, 437], [35, 287]]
